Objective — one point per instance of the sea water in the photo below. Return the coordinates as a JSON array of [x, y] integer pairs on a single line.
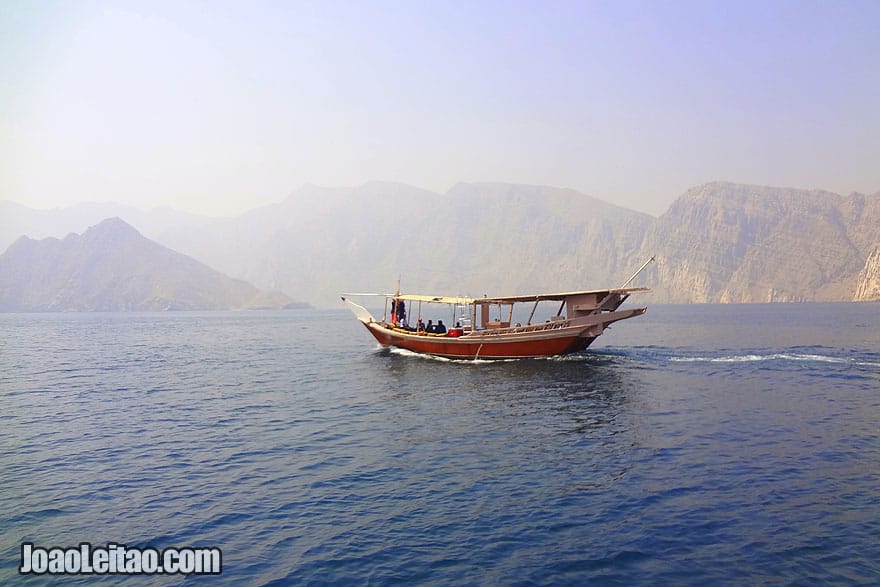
[[692, 445]]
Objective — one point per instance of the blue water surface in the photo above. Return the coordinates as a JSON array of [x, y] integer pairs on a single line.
[[693, 445]]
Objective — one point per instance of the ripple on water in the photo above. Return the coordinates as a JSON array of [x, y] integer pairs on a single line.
[[308, 456]]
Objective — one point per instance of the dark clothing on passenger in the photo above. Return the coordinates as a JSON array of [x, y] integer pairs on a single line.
[[440, 328]]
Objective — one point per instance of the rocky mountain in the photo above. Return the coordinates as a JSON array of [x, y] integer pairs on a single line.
[[476, 238], [724, 242], [17, 220], [111, 267], [719, 242], [868, 287]]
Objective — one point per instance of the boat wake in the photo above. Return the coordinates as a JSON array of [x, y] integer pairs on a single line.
[[589, 357], [405, 353], [659, 354], [751, 358]]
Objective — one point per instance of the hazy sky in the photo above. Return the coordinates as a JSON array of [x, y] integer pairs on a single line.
[[217, 107]]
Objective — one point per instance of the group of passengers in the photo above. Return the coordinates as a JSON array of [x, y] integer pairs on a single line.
[[398, 318], [431, 328]]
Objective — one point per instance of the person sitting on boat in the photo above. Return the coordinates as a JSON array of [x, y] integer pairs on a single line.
[[430, 327], [440, 328], [420, 326]]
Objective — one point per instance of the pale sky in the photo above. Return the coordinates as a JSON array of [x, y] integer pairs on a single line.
[[218, 107]]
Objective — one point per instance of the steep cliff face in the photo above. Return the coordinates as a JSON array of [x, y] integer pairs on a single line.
[[724, 242], [868, 286]]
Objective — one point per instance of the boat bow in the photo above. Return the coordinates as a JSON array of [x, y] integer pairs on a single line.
[[360, 312]]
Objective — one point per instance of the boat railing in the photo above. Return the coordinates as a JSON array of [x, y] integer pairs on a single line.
[[543, 326], [553, 324]]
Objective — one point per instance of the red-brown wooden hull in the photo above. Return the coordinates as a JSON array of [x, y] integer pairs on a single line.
[[505, 347]]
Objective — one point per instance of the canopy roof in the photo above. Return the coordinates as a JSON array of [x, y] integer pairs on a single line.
[[503, 299]]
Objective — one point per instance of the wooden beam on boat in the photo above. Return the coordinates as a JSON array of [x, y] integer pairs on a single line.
[[532, 313]]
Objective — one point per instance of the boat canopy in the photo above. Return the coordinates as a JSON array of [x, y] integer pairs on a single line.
[[419, 298], [503, 299]]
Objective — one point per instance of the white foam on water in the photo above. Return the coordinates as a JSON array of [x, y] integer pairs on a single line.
[[407, 353], [586, 357], [776, 357]]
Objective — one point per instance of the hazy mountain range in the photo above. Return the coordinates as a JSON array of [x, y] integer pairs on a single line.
[[111, 267], [719, 242]]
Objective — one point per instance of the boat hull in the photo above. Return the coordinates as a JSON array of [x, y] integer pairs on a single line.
[[507, 345]]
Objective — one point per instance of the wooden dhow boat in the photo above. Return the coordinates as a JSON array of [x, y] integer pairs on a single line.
[[580, 318]]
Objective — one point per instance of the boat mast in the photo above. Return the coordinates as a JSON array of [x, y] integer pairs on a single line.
[[397, 305]]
